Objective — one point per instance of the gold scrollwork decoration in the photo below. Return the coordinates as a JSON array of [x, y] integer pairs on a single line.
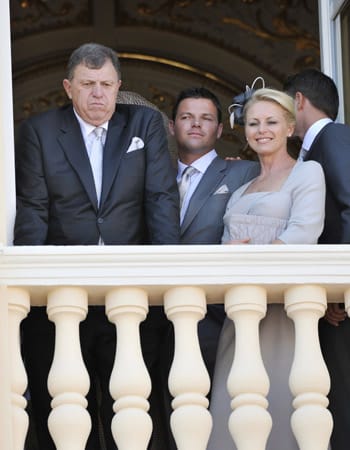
[[44, 14], [281, 29]]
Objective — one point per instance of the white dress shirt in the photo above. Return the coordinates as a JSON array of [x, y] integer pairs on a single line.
[[201, 164], [87, 129], [313, 131], [87, 133]]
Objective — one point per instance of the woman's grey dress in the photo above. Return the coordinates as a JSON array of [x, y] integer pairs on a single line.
[[295, 215]]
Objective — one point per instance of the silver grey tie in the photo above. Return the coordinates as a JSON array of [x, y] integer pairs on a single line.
[[185, 182], [96, 159]]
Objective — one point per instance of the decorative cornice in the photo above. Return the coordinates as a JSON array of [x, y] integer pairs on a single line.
[[176, 64], [37, 16], [237, 27]]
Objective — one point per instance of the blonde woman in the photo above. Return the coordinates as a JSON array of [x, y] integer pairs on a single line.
[[284, 204]]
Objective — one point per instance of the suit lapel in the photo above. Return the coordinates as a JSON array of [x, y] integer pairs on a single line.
[[113, 151], [209, 182], [73, 145], [314, 152]]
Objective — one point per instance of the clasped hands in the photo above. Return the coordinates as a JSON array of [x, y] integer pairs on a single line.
[[335, 314], [238, 241], [247, 241]]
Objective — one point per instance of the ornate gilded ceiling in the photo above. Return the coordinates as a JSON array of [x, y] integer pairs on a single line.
[[164, 45]]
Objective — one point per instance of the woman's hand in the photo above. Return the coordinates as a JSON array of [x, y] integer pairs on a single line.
[[238, 241]]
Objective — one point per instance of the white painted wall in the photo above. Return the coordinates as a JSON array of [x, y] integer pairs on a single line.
[[330, 44]]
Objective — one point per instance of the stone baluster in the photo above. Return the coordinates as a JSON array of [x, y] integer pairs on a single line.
[[248, 383], [189, 381], [18, 307], [130, 383], [6, 375], [68, 382], [309, 380]]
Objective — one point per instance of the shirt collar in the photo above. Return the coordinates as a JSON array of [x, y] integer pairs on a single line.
[[87, 128], [313, 131], [201, 164]]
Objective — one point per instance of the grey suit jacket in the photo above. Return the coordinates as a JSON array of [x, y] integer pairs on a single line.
[[203, 221], [56, 198]]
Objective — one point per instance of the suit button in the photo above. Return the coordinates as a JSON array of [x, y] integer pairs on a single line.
[[100, 220]]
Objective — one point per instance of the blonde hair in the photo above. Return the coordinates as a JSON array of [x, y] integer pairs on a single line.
[[280, 98]]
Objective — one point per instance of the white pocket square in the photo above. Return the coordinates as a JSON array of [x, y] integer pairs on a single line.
[[222, 190], [136, 144]]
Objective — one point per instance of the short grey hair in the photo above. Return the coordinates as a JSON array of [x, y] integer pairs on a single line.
[[93, 56]]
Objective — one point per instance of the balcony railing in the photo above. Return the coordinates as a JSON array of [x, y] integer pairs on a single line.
[[183, 278]]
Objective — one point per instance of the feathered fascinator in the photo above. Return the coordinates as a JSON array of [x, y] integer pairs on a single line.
[[236, 108]]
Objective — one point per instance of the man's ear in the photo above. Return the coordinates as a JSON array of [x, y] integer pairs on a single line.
[[67, 88], [299, 101], [171, 127], [219, 131]]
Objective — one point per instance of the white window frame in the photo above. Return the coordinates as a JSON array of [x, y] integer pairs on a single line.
[[7, 168], [330, 44]]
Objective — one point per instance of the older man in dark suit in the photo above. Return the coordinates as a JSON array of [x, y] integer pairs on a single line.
[[316, 105], [92, 173]]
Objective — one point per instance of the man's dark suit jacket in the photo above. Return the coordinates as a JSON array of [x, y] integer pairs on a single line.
[[56, 199], [331, 148], [57, 205]]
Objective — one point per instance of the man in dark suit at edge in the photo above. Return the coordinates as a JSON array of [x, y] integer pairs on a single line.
[[92, 173], [196, 125], [316, 106]]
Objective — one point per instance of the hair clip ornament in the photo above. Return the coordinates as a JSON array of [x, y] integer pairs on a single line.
[[236, 108]]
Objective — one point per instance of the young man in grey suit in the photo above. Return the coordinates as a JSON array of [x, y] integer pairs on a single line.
[[196, 126], [316, 106], [92, 173]]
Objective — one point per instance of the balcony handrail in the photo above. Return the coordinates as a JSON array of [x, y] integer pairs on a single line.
[[214, 267]]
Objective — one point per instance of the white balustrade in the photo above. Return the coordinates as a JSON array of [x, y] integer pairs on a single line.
[[136, 276], [18, 304], [68, 382], [130, 383], [309, 379], [248, 384], [189, 381]]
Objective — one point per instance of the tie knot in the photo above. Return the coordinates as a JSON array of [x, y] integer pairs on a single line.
[[98, 131], [188, 172]]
